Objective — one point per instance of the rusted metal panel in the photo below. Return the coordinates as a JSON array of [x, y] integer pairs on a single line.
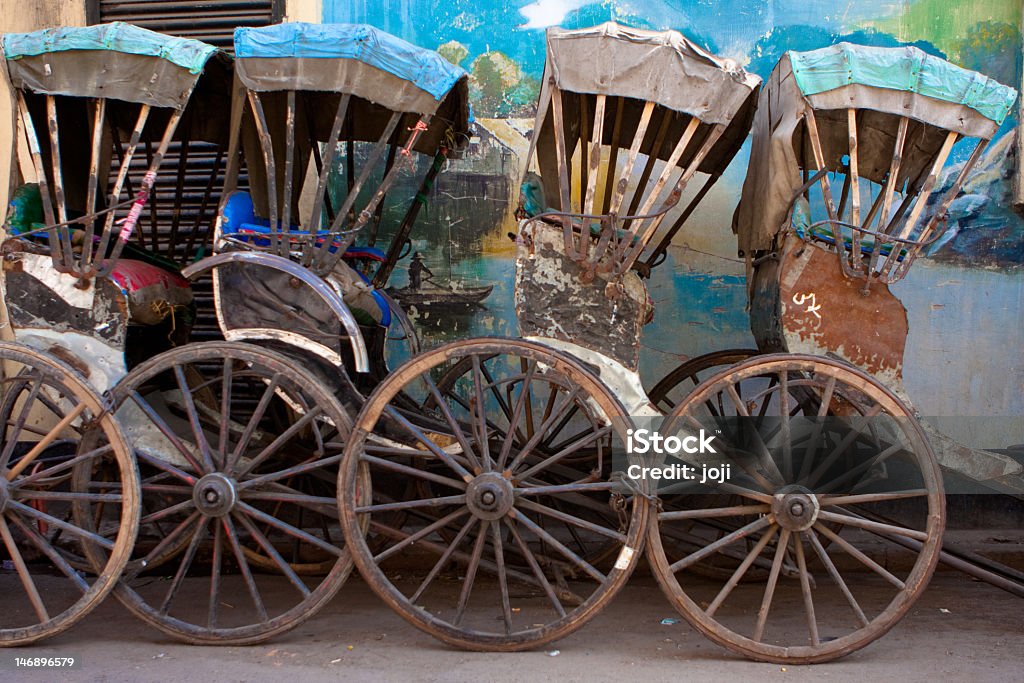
[[553, 300], [825, 313]]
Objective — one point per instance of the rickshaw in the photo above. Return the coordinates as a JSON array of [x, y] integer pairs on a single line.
[[507, 444], [884, 121], [82, 294], [530, 464], [239, 441]]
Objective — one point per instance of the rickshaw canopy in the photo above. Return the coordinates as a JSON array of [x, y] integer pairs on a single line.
[[660, 66], [638, 67], [831, 76], [883, 86], [114, 61], [386, 73]]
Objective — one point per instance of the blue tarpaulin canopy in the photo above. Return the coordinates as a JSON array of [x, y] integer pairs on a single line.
[[115, 61], [117, 37], [425, 69], [906, 69]]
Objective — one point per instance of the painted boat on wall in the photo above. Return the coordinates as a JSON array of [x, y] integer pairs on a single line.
[[446, 297]]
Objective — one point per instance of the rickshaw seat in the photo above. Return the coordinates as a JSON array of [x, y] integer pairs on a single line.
[[239, 220], [242, 223], [823, 234], [152, 292]]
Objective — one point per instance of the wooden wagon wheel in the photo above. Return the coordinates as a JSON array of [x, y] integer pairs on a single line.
[[811, 475], [222, 489], [68, 489], [684, 378], [509, 578], [578, 420]]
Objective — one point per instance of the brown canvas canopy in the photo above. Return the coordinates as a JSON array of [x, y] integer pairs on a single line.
[[638, 66]]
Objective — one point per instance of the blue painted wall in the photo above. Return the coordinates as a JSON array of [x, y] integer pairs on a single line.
[[965, 302]]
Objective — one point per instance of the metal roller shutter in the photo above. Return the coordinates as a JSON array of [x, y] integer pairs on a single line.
[[181, 236]]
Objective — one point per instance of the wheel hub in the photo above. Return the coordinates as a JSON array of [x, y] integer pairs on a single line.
[[490, 496], [795, 509], [215, 495]]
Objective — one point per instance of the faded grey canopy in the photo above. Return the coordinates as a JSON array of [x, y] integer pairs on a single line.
[[632, 67]]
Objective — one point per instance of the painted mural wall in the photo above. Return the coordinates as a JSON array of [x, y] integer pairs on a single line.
[[965, 302]]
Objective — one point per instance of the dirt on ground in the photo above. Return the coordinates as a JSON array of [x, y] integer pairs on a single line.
[[959, 630]]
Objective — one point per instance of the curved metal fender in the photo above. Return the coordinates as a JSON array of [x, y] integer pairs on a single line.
[[318, 285]]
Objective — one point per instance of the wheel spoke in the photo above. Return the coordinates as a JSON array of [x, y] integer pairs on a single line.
[[499, 559], [864, 559], [569, 450], [422, 533], [288, 528], [19, 424], [253, 423], [280, 494], [741, 570], [573, 520], [186, 563], [460, 436], [410, 504], [430, 445], [166, 430], [877, 528], [225, 412], [728, 539], [137, 566], [243, 566], [855, 433], [281, 440], [443, 560], [733, 511], [812, 449], [471, 570], [302, 468], [414, 472], [567, 488], [517, 415], [62, 466], [557, 545], [860, 499], [41, 445], [70, 528], [860, 469], [165, 466], [763, 454], [23, 572], [54, 556], [787, 446], [269, 549], [769, 589], [535, 567], [837, 578], [30, 494], [805, 589], [213, 608], [536, 437], [167, 511], [193, 418], [481, 415]]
